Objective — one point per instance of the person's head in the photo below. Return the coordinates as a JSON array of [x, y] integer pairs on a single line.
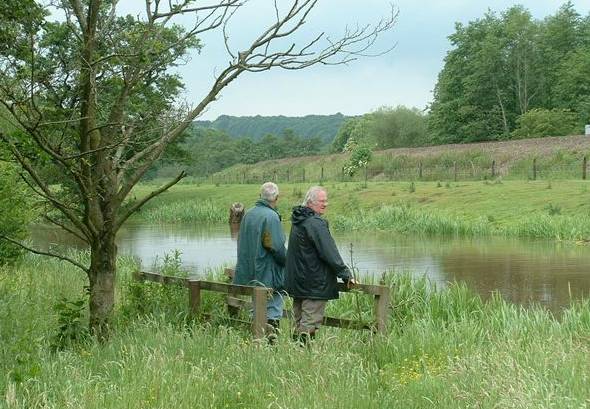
[[316, 199], [270, 192]]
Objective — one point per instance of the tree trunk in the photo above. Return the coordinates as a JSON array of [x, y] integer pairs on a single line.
[[102, 284]]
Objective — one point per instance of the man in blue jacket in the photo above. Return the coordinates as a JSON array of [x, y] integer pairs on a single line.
[[313, 264], [261, 250]]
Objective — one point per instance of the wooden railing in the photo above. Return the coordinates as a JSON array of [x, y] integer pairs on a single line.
[[260, 295]]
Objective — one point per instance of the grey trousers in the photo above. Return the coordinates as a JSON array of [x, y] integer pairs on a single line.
[[309, 314]]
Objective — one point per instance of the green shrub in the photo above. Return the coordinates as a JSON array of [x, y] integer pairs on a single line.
[[544, 122], [15, 213]]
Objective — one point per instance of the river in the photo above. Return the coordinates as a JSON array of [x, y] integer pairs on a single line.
[[522, 271]]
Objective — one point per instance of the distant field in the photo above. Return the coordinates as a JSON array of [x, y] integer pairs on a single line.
[[548, 209], [554, 158]]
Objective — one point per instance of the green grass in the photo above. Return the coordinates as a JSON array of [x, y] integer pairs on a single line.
[[446, 349], [558, 209]]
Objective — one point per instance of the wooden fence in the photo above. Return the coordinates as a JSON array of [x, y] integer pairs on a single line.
[[259, 297]]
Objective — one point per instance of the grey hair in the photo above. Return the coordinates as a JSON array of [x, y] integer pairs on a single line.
[[269, 191], [312, 195]]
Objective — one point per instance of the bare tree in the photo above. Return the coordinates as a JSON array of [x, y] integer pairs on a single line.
[[93, 97]]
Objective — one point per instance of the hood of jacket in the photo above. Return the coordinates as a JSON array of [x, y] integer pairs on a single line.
[[301, 213]]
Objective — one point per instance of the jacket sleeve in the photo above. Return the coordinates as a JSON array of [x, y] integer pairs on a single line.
[[327, 250], [277, 250]]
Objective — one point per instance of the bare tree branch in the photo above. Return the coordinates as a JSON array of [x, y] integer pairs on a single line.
[[66, 228], [44, 253], [147, 198]]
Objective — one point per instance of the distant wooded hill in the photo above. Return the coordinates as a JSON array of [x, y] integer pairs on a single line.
[[255, 127]]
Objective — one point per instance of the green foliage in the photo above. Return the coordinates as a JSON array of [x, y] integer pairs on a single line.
[[208, 151], [503, 66], [398, 127], [352, 129], [385, 128], [544, 122], [15, 212], [359, 158], [72, 323], [323, 127]]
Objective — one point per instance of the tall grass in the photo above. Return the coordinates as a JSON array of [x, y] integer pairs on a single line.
[[446, 348], [186, 212], [406, 219]]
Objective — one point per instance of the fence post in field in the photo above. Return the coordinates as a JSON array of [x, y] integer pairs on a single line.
[[584, 167], [366, 175], [244, 178], [493, 169], [287, 175], [342, 174], [382, 309], [534, 168], [259, 302], [322, 176], [194, 297], [455, 171], [420, 170], [274, 176]]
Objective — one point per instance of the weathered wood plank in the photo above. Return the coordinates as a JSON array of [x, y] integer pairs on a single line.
[[259, 322], [194, 297], [159, 278], [382, 310]]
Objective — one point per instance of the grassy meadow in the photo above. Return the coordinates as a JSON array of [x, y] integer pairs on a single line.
[[554, 209], [445, 349]]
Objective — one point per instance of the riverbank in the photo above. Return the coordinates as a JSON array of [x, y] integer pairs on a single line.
[[557, 210], [446, 349]]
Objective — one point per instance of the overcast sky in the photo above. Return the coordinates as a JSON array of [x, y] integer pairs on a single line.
[[404, 76]]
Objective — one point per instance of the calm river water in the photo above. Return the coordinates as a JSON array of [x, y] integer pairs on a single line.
[[523, 271]]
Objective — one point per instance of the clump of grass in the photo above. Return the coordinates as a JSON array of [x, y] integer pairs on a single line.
[[186, 212], [406, 219]]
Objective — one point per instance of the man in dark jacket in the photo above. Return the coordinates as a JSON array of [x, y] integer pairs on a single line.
[[313, 264], [261, 250]]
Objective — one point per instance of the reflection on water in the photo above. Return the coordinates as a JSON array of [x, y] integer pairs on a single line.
[[522, 271]]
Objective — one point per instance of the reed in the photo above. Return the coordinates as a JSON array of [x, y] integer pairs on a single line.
[[447, 348]]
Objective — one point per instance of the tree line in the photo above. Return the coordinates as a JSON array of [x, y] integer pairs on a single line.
[[511, 76]]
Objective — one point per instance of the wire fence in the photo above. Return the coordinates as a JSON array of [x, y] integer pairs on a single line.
[[534, 169]]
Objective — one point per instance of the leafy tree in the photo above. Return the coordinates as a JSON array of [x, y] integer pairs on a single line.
[[501, 66], [572, 90], [356, 129], [94, 97], [360, 156], [547, 122], [398, 127]]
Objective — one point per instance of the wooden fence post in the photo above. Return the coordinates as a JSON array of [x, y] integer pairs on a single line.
[[322, 175], [366, 175], [455, 171], [493, 169], [287, 175], [420, 170], [259, 303], [194, 297], [534, 168], [303, 175], [584, 167], [382, 310]]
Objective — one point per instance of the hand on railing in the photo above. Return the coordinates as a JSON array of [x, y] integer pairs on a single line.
[[351, 283]]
